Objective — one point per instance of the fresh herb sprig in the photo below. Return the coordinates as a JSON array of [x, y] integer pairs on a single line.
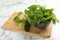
[[36, 14], [17, 19]]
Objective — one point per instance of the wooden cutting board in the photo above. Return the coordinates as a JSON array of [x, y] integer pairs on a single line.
[[10, 25]]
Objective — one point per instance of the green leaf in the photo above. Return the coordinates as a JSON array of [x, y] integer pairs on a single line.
[[17, 20], [39, 14], [27, 26]]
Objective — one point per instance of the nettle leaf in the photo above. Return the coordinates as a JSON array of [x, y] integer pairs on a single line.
[[39, 14], [54, 19], [27, 26], [17, 20]]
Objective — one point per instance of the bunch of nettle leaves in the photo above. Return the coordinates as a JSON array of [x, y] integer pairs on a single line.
[[37, 16]]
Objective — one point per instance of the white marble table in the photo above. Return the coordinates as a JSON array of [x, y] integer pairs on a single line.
[[7, 7]]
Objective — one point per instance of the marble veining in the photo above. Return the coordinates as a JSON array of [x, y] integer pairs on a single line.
[[7, 7]]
